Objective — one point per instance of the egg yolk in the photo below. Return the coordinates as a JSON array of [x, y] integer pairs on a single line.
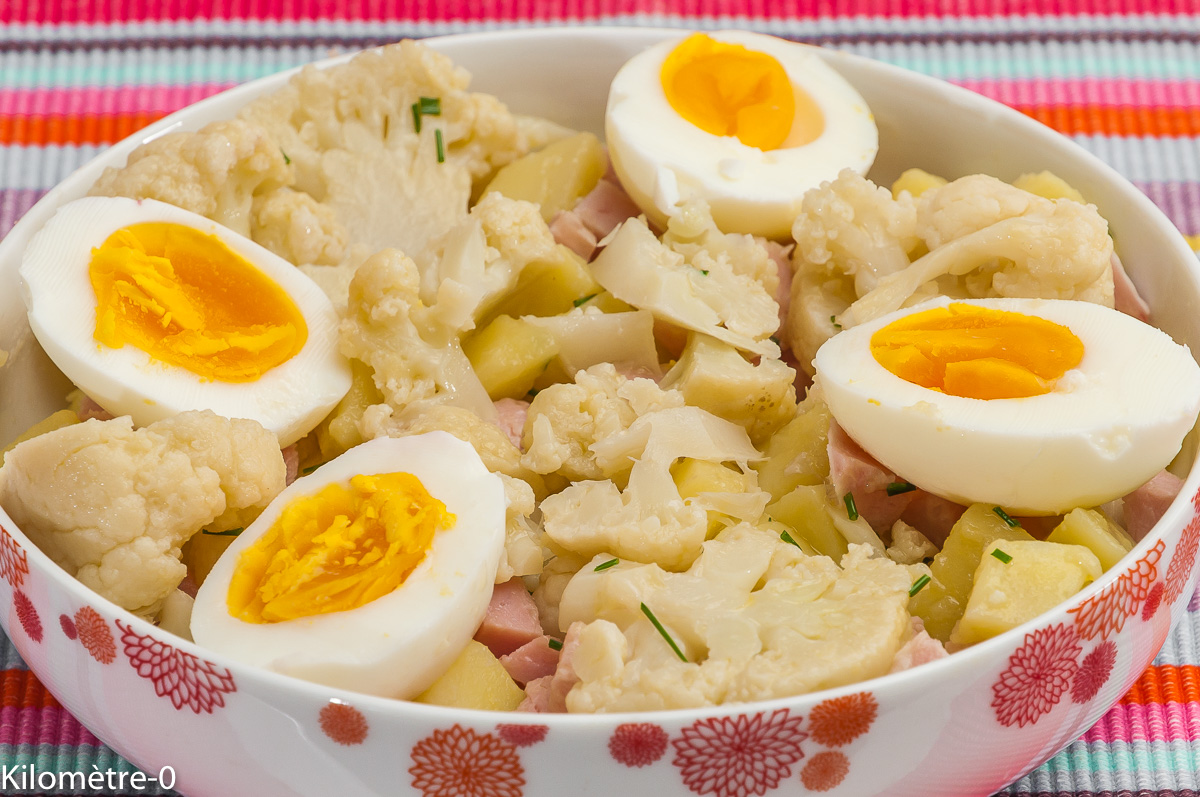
[[337, 549], [728, 90], [187, 299], [977, 352]]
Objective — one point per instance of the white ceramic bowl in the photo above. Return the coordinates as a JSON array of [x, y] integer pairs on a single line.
[[966, 725]]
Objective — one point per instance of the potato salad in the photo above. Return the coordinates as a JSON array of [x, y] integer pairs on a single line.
[[383, 386]]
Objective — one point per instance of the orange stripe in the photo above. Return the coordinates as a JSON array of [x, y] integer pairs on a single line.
[[1118, 120], [22, 689], [99, 129], [1166, 683], [95, 129]]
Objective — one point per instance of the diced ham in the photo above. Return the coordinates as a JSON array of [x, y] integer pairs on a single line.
[[537, 696], [510, 416], [291, 461], [921, 648], [189, 586], [1145, 505], [511, 620], [569, 230], [89, 409], [549, 693], [1125, 295], [852, 470], [604, 207], [932, 515], [531, 661]]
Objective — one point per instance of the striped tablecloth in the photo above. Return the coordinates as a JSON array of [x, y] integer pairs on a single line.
[[1121, 77]]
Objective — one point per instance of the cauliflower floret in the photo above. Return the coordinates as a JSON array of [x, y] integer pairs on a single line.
[[850, 233], [692, 230], [565, 419], [1004, 242], [702, 292], [480, 259], [522, 546], [296, 227], [214, 172], [412, 355], [755, 618], [649, 521], [113, 505], [349, 133], [984, 238]]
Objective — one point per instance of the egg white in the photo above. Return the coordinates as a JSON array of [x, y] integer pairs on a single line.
[[290, 399], [398, 644], [1108, 426], [662, 159]]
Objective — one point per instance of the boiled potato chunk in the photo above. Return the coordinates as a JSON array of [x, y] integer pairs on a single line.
[[940, 604], [804, 510], [1091, 529], [916, 182], [549, 287], [554, 177], [1019, 579], [339, 433], [695, 476], [202, 551], [798, 453], [56, 420], [1048, 185], [509, 354], [476, 679], [715, 376]]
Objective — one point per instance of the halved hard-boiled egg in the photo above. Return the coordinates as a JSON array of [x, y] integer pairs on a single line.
[[745, 121], [1038, 406], [152, 310], [370, 574]]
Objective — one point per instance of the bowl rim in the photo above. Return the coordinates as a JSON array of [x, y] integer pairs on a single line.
[[262, 678]]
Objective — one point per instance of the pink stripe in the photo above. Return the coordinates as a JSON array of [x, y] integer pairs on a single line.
[[1151, 722], [103, 99], [1090, 91], [50, 725], [99, 11]]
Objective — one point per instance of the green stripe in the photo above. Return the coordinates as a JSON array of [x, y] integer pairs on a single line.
[[1178, 758]]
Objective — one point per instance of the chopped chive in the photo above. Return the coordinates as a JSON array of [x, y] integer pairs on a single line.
[[416, 110], [898, 488], [774, 340], [554, 644], [788, 538], [309, 469], [1012, 524], [918, 585], [606, 565], [387, 120], [441, 148], [703, 271], [229, 533], [286, 160], [582, 300], [833, 320], [851, 509], [1001, 555], [430, 106], [654, 621], [533, 391]]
